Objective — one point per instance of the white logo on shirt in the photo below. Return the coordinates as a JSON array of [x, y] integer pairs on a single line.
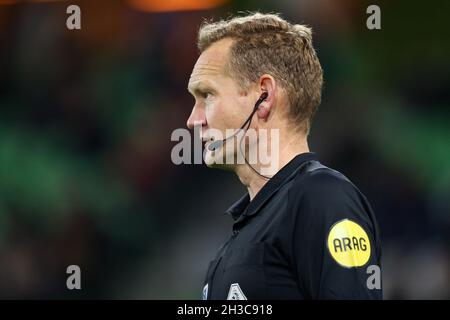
[[205, 292], [236, 293]]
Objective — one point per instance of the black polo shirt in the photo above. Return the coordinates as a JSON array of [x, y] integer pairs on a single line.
[[309, 233]]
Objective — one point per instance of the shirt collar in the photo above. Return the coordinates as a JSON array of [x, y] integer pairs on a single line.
[[246, 207]]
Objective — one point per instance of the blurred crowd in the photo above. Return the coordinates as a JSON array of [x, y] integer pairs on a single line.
[[86, 117]]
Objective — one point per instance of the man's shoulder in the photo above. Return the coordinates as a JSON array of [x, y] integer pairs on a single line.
[[324, 195], [318, 178]]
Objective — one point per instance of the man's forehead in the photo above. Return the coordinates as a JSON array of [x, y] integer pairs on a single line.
[[211, 62], [207, 66]]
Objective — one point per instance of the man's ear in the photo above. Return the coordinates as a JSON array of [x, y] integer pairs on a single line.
[[268, 84]]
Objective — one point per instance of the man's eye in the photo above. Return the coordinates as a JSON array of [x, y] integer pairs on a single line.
[[206, 95]]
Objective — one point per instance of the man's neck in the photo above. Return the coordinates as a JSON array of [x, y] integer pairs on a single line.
[[288, 150]]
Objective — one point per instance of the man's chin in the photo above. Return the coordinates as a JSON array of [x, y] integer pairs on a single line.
[[216, 162]]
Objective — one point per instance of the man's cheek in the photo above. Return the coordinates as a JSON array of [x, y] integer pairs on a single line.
[[216, 118]]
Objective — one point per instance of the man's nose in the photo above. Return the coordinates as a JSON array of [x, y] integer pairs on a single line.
[[197, 117]]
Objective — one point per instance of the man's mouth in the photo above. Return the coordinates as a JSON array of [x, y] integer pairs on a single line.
[[207, 139]]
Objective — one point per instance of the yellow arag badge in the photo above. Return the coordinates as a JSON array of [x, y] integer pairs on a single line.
[[349, 244]]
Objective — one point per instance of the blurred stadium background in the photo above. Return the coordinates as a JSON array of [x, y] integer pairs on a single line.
[[85, 123]]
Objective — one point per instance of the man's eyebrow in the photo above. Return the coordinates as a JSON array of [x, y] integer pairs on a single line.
[[199, 87]]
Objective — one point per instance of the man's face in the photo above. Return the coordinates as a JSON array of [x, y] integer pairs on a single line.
[[219, 102]]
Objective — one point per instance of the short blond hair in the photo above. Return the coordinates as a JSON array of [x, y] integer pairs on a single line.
[[266, 43]]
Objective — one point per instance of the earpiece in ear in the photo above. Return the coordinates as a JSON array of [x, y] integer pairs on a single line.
[[264, 96]]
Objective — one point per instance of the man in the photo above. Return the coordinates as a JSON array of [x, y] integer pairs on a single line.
[[303, 231]]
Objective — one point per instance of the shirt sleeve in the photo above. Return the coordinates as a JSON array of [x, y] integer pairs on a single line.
[[336, 250]]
